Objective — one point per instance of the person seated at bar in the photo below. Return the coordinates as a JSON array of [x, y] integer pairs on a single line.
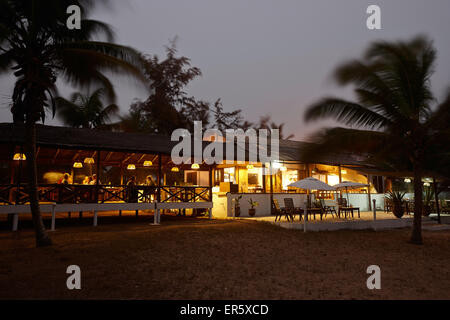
[[94, 180], [149, 181], [87, 180], [132, 192], [66, 179]]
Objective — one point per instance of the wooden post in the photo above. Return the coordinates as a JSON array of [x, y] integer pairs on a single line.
[[436, 197], [97, 191], [264, 179], [19, 178], [210, 184], [374, 209], [368, 191], [53, 218], [271, 188], [340, 174], [11, 191], [121, 175], [158, 196]]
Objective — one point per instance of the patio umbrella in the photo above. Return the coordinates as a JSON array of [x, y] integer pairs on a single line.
[[349, 185], [309, 184], [312, 184]]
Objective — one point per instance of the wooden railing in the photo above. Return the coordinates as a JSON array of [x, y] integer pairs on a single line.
[[74, 193]]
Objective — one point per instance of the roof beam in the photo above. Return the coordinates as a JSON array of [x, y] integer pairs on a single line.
[[142, 157], [77, 154], [56, 155], [128, 158], [108, 156]]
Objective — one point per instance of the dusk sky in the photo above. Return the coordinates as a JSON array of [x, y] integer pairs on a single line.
[[266, 57]]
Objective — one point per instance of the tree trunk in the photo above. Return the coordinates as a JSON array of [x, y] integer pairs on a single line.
[[42, 238], [416, 236]]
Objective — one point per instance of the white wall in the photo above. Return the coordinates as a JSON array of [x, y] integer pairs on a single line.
[[361, 200], [220, 206], [223, 205], [263, 209]]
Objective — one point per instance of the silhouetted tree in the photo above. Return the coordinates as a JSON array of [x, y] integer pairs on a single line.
[[167, 81], [86, 111], [265, 122], [36, 43], [226, 120], [396, 125]]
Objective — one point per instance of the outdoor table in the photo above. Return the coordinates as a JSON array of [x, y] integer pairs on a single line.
[[348, 210], [314, 211]]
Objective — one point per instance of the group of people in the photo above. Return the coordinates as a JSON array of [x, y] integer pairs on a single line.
[[92, 180], [148, 181], [88, 180], [132, 191]]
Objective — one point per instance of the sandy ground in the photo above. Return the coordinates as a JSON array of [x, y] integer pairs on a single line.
[[364, 215], [187, 258]]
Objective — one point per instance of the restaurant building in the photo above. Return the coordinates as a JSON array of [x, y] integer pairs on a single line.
[[110, 159]]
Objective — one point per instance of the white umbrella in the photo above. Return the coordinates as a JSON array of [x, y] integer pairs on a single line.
[[310, 184], [349, 185]]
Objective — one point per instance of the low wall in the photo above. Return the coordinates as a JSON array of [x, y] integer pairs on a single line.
[[361, 200], [263, 208], [223, 205]]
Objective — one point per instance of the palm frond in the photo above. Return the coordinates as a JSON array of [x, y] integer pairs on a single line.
[[347, 112]]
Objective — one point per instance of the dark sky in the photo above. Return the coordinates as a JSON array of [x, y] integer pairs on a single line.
[[267, 56]]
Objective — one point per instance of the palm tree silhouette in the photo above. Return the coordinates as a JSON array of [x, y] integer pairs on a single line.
[[86, 111], [395, 125], [36, 43]]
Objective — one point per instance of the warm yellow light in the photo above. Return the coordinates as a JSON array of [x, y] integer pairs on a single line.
[[19, 157], [426, 184], [333, 179], [78, 165], [148, 163], [89, 160], [249, 166], [343, 171], [195, 166], [407, 180], [175, 169], [131, 167], [216, 189], [283, 168]]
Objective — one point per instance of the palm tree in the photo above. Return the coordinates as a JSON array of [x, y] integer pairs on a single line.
[[265, 122], [392, 122], [37, 45], [85, 111]]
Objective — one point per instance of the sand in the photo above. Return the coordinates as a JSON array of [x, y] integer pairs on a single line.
[[188, 258]]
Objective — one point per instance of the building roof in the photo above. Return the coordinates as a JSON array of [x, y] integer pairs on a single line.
[[88, 139], [292, 151], [142, 143]]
